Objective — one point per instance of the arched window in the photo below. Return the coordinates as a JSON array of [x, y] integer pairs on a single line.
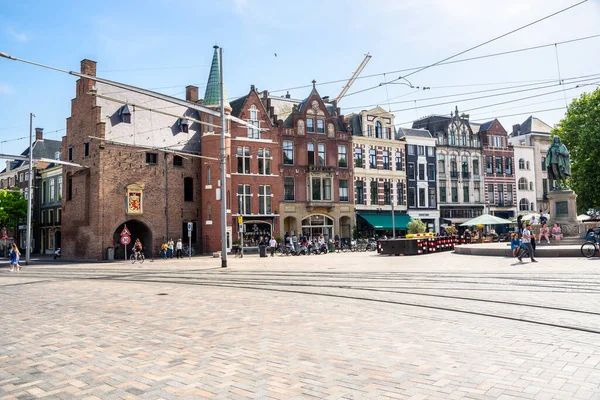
[[188, 189], [524, 205], [521, 163], [527, 164], [378, 130], [208, 179], [523, 184]]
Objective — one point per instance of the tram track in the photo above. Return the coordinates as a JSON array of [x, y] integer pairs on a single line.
[[334, 286]]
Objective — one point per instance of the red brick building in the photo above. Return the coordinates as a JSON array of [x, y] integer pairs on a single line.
[[315, 166], [499, 168]]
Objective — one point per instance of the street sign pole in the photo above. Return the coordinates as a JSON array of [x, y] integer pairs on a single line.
[[190, 228], [241, 235]]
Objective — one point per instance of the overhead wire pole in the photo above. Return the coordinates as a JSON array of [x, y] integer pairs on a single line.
[[223, 166], [29, 191]]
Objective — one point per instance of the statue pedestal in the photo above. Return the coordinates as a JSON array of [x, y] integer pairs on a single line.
[[563, 210]]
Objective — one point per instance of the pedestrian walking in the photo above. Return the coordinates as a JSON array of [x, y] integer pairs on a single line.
[[179, 247], [272, 246], [163, 250], [520, 224], [527, 235], [171, 248], [15, 257]]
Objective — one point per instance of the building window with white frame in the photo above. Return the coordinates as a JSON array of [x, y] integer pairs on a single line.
[[343, 189], [320, 126], [358, 158], [378, 130], [373, 159], [399, 166], [59, 193], [342, 156], [320, 188], [265, 199], [476, 192], [431, 197], [360, 192], [386, 159], [400, 194], [52, 191], [311, 153], [264, 161], [289, 188], [430, 151], [253, 132], [387, 193], [288, 152], [244, 199], [321, 148], [310, 125], [523, 205], [243, 160]]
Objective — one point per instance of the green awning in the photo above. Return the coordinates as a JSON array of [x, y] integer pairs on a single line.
[[384, 220]]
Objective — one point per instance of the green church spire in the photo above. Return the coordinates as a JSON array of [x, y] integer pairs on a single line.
[[212, 96]]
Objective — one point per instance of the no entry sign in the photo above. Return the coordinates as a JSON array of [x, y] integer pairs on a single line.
[[125, 240]]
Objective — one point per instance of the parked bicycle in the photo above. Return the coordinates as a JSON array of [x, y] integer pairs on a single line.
[[186, 251], [590, 247]]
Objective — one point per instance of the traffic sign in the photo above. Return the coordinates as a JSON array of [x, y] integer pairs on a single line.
[[125, 231], [5, 237], [190, 226], [125, 240]]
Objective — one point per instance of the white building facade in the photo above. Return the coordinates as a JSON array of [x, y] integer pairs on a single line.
[[525, 178]]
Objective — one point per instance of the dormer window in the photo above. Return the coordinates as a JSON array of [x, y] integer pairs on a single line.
[[310, 125], [57, 155], [378, 130], [253, 133], [125, 114], [183, 125]]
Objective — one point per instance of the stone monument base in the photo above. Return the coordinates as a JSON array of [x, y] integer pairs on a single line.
[[563, 210]]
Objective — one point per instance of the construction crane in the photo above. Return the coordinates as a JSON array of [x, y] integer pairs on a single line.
[[360, 68]]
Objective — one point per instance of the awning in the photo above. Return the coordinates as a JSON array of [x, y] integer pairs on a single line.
[[384, 220]]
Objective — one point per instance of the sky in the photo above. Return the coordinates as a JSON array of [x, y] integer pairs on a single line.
[[165, 45]]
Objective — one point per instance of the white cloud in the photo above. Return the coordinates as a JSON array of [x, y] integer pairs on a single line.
[[18, 36], [5, 88]]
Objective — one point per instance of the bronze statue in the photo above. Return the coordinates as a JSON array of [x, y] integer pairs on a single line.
[[558, 164]]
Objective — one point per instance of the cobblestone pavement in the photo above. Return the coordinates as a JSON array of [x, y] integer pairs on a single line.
[[352, 326]]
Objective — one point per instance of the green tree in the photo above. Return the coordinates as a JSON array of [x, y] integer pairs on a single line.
[[416, 226], [579, 130], [13, 208]]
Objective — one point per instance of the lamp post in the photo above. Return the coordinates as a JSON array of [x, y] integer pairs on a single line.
[[29, 191], [223, 167]]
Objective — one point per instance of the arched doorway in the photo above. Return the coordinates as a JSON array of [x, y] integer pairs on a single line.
[[56, 239], [290, 225], [138, 230], [315, 225], [345, 228]]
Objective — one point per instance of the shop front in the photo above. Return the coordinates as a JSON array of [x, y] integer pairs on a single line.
[[378, 224], [316, 225], [256, 229]]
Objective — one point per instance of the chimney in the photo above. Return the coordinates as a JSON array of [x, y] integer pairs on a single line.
[[516, 129], [88, 67], [191, 93], [287, 95], [39, 134], [8, 163], [252, 88]]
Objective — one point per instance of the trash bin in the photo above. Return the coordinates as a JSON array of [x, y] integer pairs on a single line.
[[262, 250], [332, 248], [110, 253]]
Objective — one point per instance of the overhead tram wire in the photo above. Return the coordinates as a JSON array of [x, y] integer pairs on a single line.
[[474, 92], [499, 94], [497, 37], [380, 74], [446, 116], [522, 113]]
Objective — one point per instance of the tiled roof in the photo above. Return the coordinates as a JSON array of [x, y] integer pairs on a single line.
[[486, 125], [283, 107], [41, 149], [355, 122], [534, 125], [212, 95], [237, 104]]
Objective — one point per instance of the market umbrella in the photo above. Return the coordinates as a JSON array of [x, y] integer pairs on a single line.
[[486, 219], [528, 217], [583, 217]]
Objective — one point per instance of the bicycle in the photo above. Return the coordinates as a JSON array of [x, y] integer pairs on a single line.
[[590, 248], [137, 257], [186, 251]]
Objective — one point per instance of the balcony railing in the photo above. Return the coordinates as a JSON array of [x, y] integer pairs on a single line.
[[454, 174], [466, 175], [476, 177]]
